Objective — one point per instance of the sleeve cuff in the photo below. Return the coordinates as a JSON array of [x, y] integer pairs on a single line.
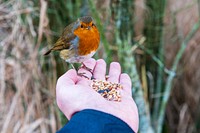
[[93, 121]]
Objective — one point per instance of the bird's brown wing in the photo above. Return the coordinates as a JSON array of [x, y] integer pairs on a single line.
[[64, 41]]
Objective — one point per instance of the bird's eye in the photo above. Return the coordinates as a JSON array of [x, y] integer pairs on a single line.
[[93, 24], [81, 26]]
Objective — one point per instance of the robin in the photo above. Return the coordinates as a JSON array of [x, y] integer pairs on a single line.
[[78, 42]]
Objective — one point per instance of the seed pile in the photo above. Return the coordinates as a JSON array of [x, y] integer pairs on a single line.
[[108, 90]]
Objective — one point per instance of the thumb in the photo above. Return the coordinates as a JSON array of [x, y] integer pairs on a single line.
[[69, 78]]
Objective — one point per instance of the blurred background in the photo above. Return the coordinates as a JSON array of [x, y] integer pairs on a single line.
[[156, 41]]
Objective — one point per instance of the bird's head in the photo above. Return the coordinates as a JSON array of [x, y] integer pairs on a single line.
[[85, 27]]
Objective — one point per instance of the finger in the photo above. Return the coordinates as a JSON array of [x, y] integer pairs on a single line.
[[69, 78], [125, 81], [100, 70], [114, 72], [63, 90], [89, 64]]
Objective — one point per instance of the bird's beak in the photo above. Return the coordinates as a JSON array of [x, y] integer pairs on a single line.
[[88, 28]]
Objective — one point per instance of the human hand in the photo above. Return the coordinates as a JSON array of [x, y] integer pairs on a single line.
[[73, 93]]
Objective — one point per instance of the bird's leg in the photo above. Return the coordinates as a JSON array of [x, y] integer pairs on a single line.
[[88, 69], [82, 74], [79, 74], [73, 66]]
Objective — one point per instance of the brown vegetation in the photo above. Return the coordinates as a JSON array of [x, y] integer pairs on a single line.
[[28, 79], [27, 96], [183, 110]]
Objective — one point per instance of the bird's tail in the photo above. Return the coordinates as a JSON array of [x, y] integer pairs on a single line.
[[48, 52]]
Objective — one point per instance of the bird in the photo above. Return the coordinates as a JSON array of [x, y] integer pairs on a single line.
[[78, 42]]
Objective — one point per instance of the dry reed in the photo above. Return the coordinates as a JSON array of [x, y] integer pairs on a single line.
[[26, 95]]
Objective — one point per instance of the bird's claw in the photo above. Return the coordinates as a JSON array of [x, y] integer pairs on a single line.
[[82, 75], [83, 66]]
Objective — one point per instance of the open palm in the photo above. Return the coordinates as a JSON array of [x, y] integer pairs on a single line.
[[75, 94]]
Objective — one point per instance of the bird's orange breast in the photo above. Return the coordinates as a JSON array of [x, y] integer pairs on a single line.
[[88, 40]]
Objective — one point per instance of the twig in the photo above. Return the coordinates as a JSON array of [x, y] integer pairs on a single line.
[[156, 59], [198, 6], [18, 12], [32, 126], [10, 113], [2, 73], [52, 120], [160, 71], [169, 83], [43, 22]]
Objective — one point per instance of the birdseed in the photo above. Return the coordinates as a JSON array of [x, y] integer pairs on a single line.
[[107, 89]]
